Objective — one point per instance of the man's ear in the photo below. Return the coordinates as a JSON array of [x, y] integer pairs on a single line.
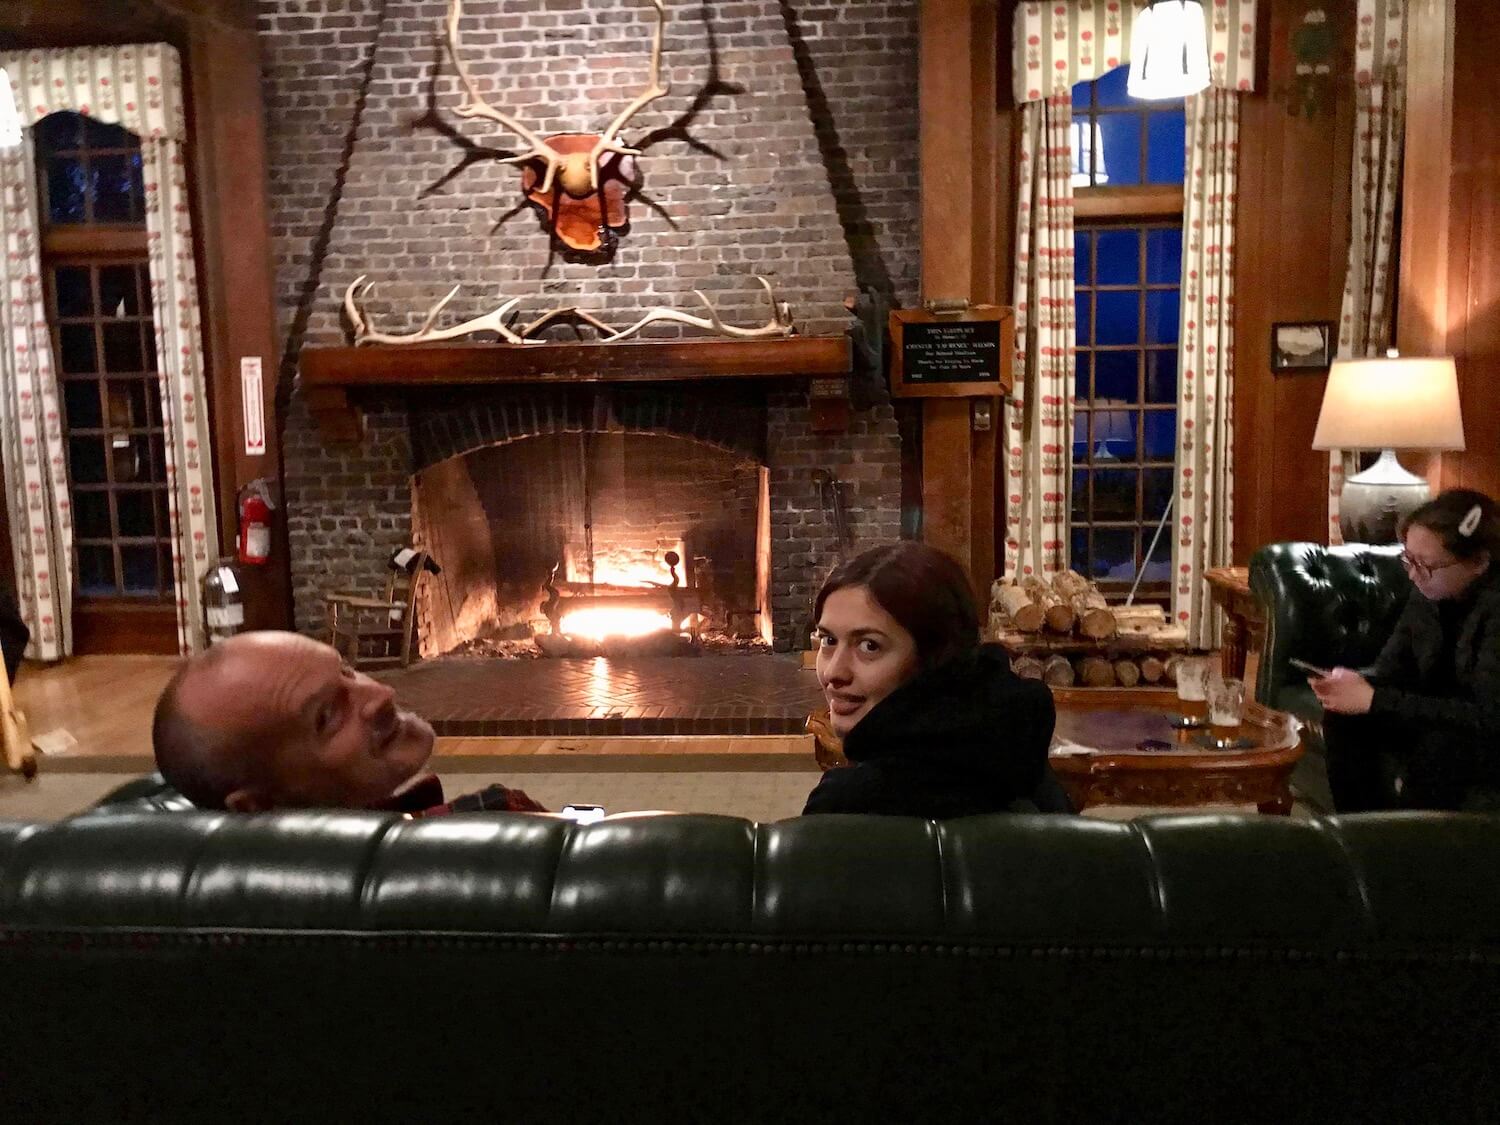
[[247, 800]]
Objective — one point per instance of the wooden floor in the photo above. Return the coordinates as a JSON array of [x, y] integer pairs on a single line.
[[93, 713]]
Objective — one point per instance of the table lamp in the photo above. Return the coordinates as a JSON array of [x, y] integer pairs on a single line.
[[1387, 403]]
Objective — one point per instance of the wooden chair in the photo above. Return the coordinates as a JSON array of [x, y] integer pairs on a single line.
[[377, 632]]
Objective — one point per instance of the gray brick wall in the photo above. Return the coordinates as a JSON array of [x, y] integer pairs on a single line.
[[787, 147]]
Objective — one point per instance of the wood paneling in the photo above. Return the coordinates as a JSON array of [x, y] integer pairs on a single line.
[[1450, 269], [1290, 259]]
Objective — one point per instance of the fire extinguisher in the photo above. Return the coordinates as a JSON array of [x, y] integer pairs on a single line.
[[255, 507]]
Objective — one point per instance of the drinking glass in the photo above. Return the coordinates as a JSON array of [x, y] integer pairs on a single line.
[[1226, 702], [1192, 679]]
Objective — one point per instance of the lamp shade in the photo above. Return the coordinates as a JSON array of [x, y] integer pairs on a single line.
[[1168, 50], [1391, 402]]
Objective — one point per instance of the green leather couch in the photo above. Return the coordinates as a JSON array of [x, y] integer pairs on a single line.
[[331, 966], [1327, 606]]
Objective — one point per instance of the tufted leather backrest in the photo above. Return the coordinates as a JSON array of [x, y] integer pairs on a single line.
[[358, 966], [1325, 605]]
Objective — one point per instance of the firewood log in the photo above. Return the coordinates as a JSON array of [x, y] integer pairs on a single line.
[[1132, 619], [1027, 667], [1095, 671], [1058, 672], [1169, 670], [1127, 672], [1090, 609], [1153, 668], [1057, 615], [1024, 614], [1059, 618]]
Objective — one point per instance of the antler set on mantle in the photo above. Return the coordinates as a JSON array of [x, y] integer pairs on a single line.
[[577, 172], [779, 324]]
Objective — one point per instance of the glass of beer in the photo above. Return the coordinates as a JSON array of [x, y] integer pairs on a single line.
[[1226, 703], [1192, 685]]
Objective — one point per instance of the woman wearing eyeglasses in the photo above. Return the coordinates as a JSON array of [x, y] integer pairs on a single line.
[[1422, 726]]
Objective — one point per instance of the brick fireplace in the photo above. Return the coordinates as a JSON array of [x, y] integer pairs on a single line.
[[787, 148]]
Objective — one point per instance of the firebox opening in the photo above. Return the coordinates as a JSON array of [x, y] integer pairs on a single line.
[[581, 543]]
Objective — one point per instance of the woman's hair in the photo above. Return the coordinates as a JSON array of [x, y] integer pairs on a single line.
[[925, 590], [1462, 519]]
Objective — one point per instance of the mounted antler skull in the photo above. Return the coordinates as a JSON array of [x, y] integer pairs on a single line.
[[579, 180]]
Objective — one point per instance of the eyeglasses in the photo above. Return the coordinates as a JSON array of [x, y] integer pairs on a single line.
[[1423, 570]]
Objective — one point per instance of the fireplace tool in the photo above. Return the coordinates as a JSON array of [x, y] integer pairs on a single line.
[[831, 490], [674, 598]]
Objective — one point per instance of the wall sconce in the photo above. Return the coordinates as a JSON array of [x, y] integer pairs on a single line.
[[1168, 50]]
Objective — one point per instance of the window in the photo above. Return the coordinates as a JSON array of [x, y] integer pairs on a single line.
[[98, 296], [1128, 165]]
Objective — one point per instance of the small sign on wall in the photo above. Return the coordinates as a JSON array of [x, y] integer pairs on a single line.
[[944, 353], [254, 405]]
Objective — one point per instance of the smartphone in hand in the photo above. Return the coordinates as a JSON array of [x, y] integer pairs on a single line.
[[1310, 669]]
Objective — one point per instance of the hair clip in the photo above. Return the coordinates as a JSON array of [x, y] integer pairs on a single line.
[[1470, 521]]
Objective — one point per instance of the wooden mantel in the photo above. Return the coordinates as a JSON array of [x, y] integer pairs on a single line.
[[330, 374]]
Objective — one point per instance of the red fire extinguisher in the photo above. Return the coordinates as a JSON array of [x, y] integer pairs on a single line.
[[255, 507]]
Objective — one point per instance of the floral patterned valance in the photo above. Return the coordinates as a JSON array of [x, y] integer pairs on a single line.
[[137, 85], [1378, 43], [1060, 43]]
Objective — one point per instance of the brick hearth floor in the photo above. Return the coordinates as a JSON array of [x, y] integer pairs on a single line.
[[654, 696]]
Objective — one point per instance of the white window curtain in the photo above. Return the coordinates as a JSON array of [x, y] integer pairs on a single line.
[[1054, 46], [138, 86], [1203, 512], [1380, 124]]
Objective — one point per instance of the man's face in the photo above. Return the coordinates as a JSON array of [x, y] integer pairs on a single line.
[[332, 737]]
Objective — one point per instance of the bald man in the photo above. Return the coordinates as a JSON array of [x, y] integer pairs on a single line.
[[271, 720]]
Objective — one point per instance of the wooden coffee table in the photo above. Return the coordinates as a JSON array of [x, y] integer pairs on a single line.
[[1096, 755]]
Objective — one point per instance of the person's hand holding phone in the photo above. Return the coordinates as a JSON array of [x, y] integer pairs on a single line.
[[1342, 691]]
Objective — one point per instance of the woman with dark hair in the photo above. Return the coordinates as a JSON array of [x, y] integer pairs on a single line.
[[1421, 727], [933, 723]]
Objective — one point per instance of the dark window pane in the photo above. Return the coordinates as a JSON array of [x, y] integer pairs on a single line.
[[91, 515], [97, 134], [65, 190], [163, 522], [1164, 256], [127, 404], [1119, 318], [1078, 559], [133, 459], [140, 565], [158, 459], [1081, 312], [1121, 161], [1080, 435], [1114, 494], [1080, 507], [111, 183], [143, 280], [148, 347], [74, 295], [1156, 492], [1159, 568], [137, 510], [1162, 311], [1165, 163], [1114, 435], [117, 295], [58, 131], [81, 404], [1115, 377], [1109, 88], [77, 351], [1085, 363], [1161, 434], [1081, 97], [1114, 554], [1119, 257], [96, 570], [86, 460], [1161, 376], [122, 346], [1081, 258]]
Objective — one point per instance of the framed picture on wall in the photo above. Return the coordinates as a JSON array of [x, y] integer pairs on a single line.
[[1302, 346]]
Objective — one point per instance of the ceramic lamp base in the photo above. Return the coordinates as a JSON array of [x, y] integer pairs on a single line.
[[1374, 501]]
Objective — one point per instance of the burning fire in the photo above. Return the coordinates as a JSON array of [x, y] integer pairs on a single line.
[[597, 624]]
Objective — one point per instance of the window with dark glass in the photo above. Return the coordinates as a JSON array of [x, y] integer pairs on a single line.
[[1128, 166], [98, 296]]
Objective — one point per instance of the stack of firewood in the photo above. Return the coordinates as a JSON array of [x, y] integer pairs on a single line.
[[1066, 633]]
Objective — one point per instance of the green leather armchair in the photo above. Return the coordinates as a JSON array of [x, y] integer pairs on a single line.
[[1325, 605]]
